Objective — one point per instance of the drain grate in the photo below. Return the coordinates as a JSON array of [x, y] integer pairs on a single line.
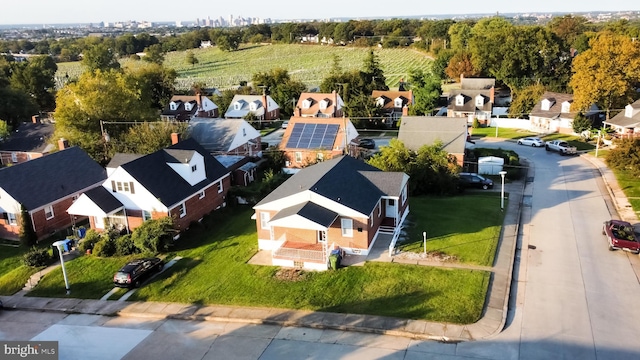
[[526, 200]]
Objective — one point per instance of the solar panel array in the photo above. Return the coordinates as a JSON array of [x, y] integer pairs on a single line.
[[312, 136]]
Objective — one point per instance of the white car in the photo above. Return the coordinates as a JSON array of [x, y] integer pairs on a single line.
[[531, 141]]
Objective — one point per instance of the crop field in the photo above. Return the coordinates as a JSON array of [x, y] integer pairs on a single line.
[[307, 63]]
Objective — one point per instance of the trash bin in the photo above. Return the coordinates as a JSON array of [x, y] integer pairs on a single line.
[[67, 245], [334, 259], [82, 232]]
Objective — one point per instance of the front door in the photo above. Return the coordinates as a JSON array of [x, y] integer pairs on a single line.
[[390, 209], [322, 236]]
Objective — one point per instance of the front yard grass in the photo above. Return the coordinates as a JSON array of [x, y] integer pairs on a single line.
[[13, 273], [631, 188], [466, 227], [505, 133], [214, 270]]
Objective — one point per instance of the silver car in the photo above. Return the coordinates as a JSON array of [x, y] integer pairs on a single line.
[[531, 141]]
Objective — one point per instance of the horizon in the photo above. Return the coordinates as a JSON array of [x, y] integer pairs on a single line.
[[47, 12]]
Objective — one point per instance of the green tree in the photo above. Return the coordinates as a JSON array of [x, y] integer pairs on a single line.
[[154, 236], [191, 58], [607, 74], [279, 85], [27, 234], [523, 101], [426, 92], [16, 106], [5, 130], [100, 57], [156, 83], [625, 156], [36, 78], [149, 137], [229, 41], [154, 54], [460, 33]]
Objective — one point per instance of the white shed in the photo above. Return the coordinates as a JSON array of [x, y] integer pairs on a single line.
[[490, 165]]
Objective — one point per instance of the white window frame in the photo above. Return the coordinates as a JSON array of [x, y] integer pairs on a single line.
[[48, 212], [380, 101], [220, 189], [459, 100], [397, 103], [346, 226], [194, 168], [201, 195], [298, 155], [146, 215], [182, 209], [323, 104], [237, 106], [265, 217], [12, 219], [479, 100], [404, 195], [173, 106], [306, 104], [14, 157], [188, 106]]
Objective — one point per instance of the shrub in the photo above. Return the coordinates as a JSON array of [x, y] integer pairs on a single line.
[[90, 239], [476, 123], [154, 235], [106, 247], [625, 156], [126, 246], [37, 257]]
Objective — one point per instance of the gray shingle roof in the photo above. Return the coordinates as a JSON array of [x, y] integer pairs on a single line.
[[44, 180], [469, 104], [152, 172], [621, 120], [215, 135], [477, 83], [309, 211], [416, 131], [555, 110], [30, 137], [103, 199], [344, 179]]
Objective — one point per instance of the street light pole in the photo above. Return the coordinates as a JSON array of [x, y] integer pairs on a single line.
[[502, 174], [59, 244], [424, 235]]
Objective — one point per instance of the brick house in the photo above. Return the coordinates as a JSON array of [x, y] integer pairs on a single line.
[[310, 140], [322, 105], [46, 187], [394, 104], [340, 203], [183, 108], [29, 141], [182, 181]]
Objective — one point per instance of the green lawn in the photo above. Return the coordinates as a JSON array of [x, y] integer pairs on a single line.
[[307, 63], [214, 271], [505, 133], [13, 274], [631, 187], [466, 227]]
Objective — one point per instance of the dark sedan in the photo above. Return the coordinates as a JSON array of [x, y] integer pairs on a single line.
[[473, 180], [137, 271], [367, 143]]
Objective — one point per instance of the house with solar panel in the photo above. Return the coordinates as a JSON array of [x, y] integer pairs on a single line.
[[307, 141], [183, 181], [46, 187], [341, 204]]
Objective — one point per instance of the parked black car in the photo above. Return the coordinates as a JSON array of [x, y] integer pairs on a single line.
[[367, 143], [137, 271], [473, 180]]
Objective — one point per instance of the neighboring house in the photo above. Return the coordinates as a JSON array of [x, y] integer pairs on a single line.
[[394, 104], [341, 203], [321, 105], [416, 131], [29, 141], [471, 104], [261, 107], [46, 187], [226, 136], [477, 83], [554, 113], [184, 108], [310, 140], [243, 171], [627, 122], [182, 181]]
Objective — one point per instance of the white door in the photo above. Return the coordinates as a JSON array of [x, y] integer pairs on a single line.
[[391, 208], [99, 221]]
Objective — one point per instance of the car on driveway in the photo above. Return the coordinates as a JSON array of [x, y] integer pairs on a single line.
[[137, 271], [367, 143], [621, 235], [531, 141], [473, 180]]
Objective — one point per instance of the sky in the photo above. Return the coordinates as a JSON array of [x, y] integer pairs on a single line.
[[95, 11]]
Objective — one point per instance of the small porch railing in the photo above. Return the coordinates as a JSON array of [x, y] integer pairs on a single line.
[[297, 252], [394, 240]]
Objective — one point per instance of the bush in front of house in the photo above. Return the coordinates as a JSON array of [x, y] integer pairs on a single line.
[[37, 257], [106, 247], [154, 236], [90, 239], [126, 246]]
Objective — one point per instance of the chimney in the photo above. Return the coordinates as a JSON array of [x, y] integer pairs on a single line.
[[35, 119], [461, 77], [335, 103], [405, 110], [492, 92], [63, 144], [175, 138], [200, 112], [266, 106], [298, 112]]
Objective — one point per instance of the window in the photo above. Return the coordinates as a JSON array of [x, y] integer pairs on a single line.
[[201, 195], [306, 104], [391, 202], [244, 132], [194, 168], [253, 106], [14, 157], [298, 156], [323, 104], [188, 106], [48, 212], [146, 215], [460, 100], [183, 210], [237, 106], [479, 100], [404, 194], [347, 227], [380, 101], [397, 102], [320, 156], [119, 186], [264, 220], [566, 107], [11, 218], [220, 186]]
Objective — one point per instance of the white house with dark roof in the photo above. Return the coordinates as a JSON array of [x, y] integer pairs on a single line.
[[46, 187], [184, 108], [262, 107], [226, 136], [29, 141], [555, 113], [627, 122], [340, 203], [182, 181]]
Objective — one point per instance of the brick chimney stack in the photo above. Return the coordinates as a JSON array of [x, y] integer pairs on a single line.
[[200, 112], [63, 144], [266, 106], [175, 138]]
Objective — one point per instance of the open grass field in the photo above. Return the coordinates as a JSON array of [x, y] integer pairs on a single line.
[[214, 270], [307, 63]]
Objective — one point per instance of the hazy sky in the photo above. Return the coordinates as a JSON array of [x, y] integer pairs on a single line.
[[84, 11]]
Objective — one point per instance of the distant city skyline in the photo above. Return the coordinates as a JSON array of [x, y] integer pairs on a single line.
[[96, 11]]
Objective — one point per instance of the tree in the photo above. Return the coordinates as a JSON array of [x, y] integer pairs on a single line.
[[36, 78], [154, 54], [625, 156], [229, 41], [5, 130], [100, 57], [568, 27], [279, 85], [460, 33], [27, 234], [581, 123], [16, 106], [461, 64], [156, 83], [523, 101], [149, 137], [607, 74], [426, 92], [191, 58]]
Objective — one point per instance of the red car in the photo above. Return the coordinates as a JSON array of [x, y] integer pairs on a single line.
[[621, 235]]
